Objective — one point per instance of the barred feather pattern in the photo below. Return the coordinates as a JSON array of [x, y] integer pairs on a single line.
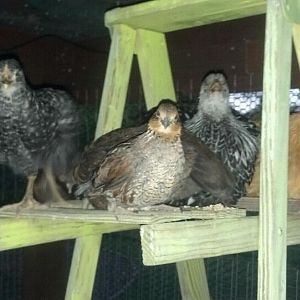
[[231, 137], [39, 127], [232, 142]]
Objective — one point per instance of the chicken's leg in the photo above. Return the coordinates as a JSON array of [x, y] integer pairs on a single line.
[[56, 197], [28, 200]]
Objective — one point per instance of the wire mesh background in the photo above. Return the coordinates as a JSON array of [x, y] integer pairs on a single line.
[[120, 272]]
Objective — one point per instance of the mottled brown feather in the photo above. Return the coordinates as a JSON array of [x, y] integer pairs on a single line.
[[96, 152], [151, 164]]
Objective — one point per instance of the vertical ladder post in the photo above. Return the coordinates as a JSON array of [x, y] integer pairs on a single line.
[[296, 39], [153, 59], [193, 280], [274, 155], [83, 267], [86, 250], [116, 79]]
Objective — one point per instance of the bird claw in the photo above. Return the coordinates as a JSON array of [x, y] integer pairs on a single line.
[[26, 203]]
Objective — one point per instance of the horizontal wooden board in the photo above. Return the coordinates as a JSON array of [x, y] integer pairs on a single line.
[[173, 242], [128, 217], [20, 232], [252, 204], [166, 16]]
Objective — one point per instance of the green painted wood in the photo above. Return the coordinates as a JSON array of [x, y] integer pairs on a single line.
[[274, 155], [83, 268], [110, 116], [165, 16], [126, 217], [116, 79], [192, 280], [19, 232], [153, 59], [291, 9], [180, 241], [296, 39]]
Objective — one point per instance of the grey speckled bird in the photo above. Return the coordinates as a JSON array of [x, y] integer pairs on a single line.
[[149, 165], [233, 140], [38, 127]]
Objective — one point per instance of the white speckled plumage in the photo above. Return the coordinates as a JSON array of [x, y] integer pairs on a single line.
[[216, 126], [38, 126]]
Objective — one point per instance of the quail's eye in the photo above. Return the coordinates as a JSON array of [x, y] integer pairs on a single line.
[[157, 113]]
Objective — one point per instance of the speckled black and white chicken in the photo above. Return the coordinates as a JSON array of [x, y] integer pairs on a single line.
[[149, 165], [233, 139], [38, 128]]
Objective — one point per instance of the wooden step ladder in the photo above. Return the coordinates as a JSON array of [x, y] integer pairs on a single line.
[[140, 30]]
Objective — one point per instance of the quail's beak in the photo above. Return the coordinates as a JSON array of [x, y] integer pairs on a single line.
[[165, 122], [216, 87]]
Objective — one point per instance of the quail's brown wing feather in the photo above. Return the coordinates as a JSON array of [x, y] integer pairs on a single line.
[[115, 173], [115, 168], [96, 152], [111, 174], [207, 173], [118, 136]]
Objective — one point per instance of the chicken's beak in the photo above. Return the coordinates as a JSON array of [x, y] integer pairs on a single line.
[[165, 122], [6, 81], [216, 87]]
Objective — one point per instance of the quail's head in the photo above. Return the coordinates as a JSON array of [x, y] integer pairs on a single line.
[[11, 76], [165, 121], [214, 95]]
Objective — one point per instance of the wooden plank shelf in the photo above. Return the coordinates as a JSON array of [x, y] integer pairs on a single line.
[[166, 16], [252, 204], [169, 243], [133, 218], [20, 232]]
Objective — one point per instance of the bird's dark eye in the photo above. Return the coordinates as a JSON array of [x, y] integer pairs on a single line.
[[157, 113]]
